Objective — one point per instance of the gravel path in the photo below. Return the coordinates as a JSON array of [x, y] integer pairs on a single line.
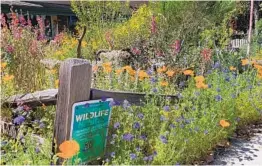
[[242, 152]]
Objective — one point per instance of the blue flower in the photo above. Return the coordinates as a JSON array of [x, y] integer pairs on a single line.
[[114, 136], [172, 125], [132, 156], [209, 71], [218, 98], [154, 153], [37, 150], [128, 137], [154, 90], [126, 104], [140, 116], [153, 80], [182, 126], [149, 72], [138, 149], [233, 96], [42, 125], [166, 108], [227, 79], [206, 132], [136, 125], [150, 158], [145, 158], [216, 65], [187, 121], [19, 120], [181, 84], [218, 90], [163, 139], [162, 118], [249, 87], [117, 125], [143, 137], [209, 85], [113, 154]]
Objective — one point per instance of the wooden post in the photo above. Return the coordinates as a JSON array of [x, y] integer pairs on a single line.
[[75, 77]]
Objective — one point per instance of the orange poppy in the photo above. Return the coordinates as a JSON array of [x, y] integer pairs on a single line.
[[164, 83], [201, 85], [170, 73], [118, 71], [259, 67], [244, 62], [188, 72], [129, 70], [3, 65], [142, 74], [232, 68], [8, 77], [95, 68], [68, 149], [224, 123], [162, 69], [199, 79]]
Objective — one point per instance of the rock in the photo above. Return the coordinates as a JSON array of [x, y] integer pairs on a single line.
[[115, 56]]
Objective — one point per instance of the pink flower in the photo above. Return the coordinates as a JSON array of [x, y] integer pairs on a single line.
[[153, 25], [136, 51], [176, 46], [206, 54], [3, 20], [22, 20], [9, 49]]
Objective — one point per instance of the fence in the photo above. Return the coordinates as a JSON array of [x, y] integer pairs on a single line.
[[74, 86]]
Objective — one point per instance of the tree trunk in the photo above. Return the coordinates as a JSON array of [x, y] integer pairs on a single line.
[[79, 54]]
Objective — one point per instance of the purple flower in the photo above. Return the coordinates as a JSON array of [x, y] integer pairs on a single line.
[[166, 108], [150, 158], [138, 149], [163, 139], [206, 132], [126, 104], [37, 150], [172, 125], [233, 96], [42, 125], [117, 125], [19, 120], [140, 116], [154, 90], [216, 65], [136, 125], [227, 79], [113, 154], [145, 158], [149, 72], [218, 90], [132, 156], [187, 121], [128, 137], [181, 84], [153, 80], [155, 153], [218, 98], [143, 137], [162, 118], [114, 136], [209, 85]]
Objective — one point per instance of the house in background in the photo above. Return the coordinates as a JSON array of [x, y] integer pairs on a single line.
[[57, 15]]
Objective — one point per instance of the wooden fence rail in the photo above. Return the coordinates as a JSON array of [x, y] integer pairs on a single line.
[[49, 97]]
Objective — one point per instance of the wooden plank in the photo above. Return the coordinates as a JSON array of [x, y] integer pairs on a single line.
[[74, 86], [49, 97], [120, 96]]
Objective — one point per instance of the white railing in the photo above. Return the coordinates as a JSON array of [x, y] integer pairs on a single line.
[[238, 43]]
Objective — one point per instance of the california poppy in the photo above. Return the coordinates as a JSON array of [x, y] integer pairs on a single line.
[[170, 73], [3, 65], [232, 68], [201, 85], [164, 83], [68, 149], [142, 74], [224, 123], [188, 72], [162, 69], [8, 77], [244, 62], [199, 78], [118, 71]]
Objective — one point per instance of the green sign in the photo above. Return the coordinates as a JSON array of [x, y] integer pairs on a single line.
[[89, 128]]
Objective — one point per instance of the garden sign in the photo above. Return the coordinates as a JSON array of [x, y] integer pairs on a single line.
[[89, 127]]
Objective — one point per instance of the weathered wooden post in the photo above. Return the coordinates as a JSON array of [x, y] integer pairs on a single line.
[[74, 86]]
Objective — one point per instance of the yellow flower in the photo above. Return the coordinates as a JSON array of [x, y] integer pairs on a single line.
[[8, 77], [170, 73], [53, 71], [107, 67], [188, 72], [3, 65], [164, 83], [199, 79], [165, 113], [129, 70], [244, 62], [160, 70], [224, 123], [56, 83]]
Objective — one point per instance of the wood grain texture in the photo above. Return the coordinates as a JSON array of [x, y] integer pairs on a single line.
[[74, 86]]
